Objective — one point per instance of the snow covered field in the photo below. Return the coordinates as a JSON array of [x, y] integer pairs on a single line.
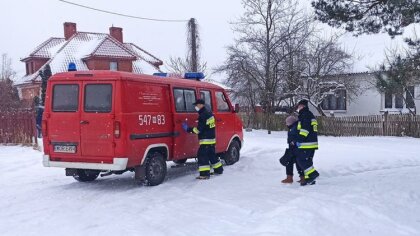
[[368, 186]]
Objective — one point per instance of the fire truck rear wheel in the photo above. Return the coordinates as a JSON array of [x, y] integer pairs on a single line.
[[86, 175], [155, 169], [233, 153]]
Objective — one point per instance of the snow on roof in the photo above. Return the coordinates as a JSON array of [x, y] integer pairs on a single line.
[[48, 48], [25, 79], [110, 47], [143, 54], [78, 47], [83, 45], [143, 67]]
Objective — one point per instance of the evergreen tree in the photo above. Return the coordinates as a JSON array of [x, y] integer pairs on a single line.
[[397, 77], [45, 75], [364, 17]]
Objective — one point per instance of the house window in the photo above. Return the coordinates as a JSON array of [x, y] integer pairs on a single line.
[[113, 65], [388, 100], [409, 95], [27, 68], [400, 100], [337, 102]]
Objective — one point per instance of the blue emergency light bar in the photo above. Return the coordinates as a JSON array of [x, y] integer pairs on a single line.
[[188, 75], [194, 75]]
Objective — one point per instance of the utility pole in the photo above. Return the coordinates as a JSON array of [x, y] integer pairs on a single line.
[[193, 44]]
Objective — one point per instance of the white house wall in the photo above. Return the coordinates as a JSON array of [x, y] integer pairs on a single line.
[[368, 102]]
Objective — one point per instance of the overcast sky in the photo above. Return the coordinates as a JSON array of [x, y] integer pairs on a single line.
[[25, 24]]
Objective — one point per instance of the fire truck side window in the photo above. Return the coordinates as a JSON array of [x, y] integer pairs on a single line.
[[205, 95], [98, 98], [65, 98], [184, 99], [179, 100], [189, 96], [222, 104]]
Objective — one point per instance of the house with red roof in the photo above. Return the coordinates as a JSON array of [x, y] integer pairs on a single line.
[[89, 51]]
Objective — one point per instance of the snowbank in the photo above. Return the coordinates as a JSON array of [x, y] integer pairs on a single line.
[[368, 186]]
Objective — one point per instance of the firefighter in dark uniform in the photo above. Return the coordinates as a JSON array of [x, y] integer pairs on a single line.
[[206, 131], [307, 142]]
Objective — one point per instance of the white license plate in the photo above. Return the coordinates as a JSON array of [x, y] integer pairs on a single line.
[[65, 149]]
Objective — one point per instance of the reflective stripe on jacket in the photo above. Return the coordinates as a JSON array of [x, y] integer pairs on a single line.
[[206, 127], [308, 130]]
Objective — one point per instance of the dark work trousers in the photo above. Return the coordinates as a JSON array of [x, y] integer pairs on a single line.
[[304, 158], [289, 167], [207, 159]]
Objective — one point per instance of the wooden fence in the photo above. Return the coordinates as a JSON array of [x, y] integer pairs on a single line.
[[379, 125], [263, 121], [17, 127]]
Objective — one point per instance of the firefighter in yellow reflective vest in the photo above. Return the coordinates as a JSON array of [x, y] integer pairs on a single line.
[[206, 131], [307, 142]]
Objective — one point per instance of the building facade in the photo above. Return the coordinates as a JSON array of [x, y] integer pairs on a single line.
[[369, 101], [88, 51]]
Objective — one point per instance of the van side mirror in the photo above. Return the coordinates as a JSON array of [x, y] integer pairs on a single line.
[[237, 109]]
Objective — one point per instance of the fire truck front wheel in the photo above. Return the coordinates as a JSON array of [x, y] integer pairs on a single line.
[[86, 175], [233, 153], [155, 169]]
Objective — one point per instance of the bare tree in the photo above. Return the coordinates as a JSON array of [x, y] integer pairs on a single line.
[[9, 97], [192, 61], [257, 58], [324, 62], [178, 65], [279, 58], [245, 90], [6, 69]]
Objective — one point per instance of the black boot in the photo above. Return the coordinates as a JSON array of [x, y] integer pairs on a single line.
[[310, 179], [203, 177]]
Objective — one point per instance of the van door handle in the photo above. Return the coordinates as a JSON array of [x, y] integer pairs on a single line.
[[84, 122]]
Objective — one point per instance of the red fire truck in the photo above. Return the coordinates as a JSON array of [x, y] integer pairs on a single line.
[[113, 122]]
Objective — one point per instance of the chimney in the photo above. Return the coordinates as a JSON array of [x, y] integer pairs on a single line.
[[69, 30], [116, 33]]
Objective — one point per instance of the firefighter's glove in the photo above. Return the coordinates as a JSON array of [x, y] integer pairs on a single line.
[[298, 144], [185, 126]]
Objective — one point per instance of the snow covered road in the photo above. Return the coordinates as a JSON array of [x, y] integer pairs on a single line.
[[368, 186]]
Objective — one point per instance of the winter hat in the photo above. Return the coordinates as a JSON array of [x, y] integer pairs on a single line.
[[199, 101], [291, 120], [303, 102]]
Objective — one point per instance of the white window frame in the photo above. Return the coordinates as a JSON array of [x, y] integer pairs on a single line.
[[393, 108]]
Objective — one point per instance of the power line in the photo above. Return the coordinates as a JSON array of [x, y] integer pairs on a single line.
[[120, 14]]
